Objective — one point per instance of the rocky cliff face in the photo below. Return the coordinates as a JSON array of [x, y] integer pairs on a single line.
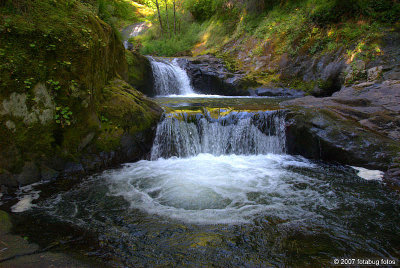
[[319, 74], [62, 72]]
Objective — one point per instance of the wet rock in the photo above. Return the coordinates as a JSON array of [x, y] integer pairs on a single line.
[[392, 175], [209, 75], [89, 137], [276, 92], [128, 45], [140, 74], [93, 163], [356, 126], [48, 173], [74, 168], [25, 254], [6, 178], [30, 174]]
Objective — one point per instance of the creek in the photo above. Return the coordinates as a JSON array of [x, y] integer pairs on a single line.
[[218, 190]]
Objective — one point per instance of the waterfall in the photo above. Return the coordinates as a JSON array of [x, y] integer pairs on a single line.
[[169, 78], [241, 133]]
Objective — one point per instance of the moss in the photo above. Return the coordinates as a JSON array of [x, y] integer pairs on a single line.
[[122, 109], [205, 240], [5, 223], [139, 72], [54, 56]]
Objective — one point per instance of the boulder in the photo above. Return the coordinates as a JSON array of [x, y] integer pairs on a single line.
[[356, 126], [30, 174], [208, 75]]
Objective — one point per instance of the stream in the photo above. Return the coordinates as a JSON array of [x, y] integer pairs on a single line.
[[218, 190]]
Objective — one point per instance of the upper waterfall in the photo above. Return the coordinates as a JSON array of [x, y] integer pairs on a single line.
[[169, 78]]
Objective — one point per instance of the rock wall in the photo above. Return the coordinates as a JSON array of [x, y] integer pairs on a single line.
[[320, 74], [64, 107]]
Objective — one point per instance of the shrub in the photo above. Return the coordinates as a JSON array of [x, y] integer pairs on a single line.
[[328, 12], [200, 9]]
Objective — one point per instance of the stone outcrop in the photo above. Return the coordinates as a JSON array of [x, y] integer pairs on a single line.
[[209, 75], [358, 125]]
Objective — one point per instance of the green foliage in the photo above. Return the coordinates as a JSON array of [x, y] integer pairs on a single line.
[[116, 12], [54, 85], [334, 11], [200, 9], [167, 46], [63, 116], [169, 43], [29, 82]]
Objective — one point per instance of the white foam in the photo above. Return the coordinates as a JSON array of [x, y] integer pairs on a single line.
[[195, 95], [228, 189], [26, 195], [24, 204], [169, 77], [369, 174]]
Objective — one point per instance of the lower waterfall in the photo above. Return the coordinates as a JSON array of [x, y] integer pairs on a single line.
[[240, 133]]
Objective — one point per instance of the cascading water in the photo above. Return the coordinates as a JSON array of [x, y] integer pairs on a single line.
[[169, 78], [220, 191], [240, 133]]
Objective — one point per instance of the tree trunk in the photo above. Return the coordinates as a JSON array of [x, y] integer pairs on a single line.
[[174, 18], [166, 14], [159, 17]]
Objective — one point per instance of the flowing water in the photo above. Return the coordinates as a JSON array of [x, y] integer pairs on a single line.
[[220, 190], [169, 78]]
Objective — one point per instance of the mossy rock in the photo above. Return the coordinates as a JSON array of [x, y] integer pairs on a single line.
[[124, 110], [56, 57], [5, 223], [140, 74]]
